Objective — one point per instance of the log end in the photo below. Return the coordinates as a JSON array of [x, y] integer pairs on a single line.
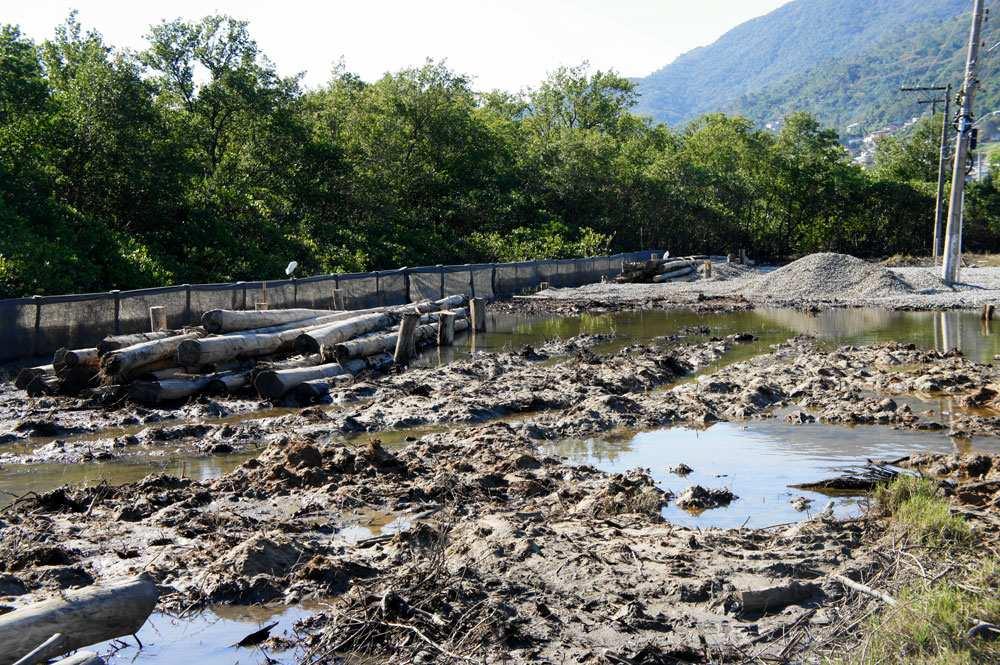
[[269, 385]]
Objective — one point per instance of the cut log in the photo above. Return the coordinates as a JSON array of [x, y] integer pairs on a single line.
[[126, 361], [477, 315], [109, 344], [310, 391], [374, 343], [249, 344], [82, 358], [406, 338], [59, 358], [314, 340], [227, 320], [43, 386], [74, 379], [157, 318], [673, 274], [446, 329], [85, 616], [167, 390], [28, 374], [275, 383], [230, 383]]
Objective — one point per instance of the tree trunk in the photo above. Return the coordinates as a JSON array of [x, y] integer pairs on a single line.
[[227, 384], [672, 275], [81, 658], [374, 343], [82, 358], [310, 391], [109, 344], [85, 616], [157, 392], [275, 383], [29, 374], [126, 361], [247, 344], [314, 340], [226, 320]]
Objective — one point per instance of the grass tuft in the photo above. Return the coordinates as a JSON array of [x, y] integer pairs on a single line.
[[917, 509]]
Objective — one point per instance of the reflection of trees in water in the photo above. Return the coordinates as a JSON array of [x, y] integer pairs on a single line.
[[833, 322]]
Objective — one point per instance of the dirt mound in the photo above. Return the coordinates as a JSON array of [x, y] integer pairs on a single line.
[[828, 275]]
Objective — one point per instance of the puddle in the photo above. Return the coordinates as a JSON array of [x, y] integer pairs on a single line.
[[17, 479], [757, 461], [206, 639]]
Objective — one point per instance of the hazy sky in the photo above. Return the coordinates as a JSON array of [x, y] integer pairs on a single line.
[[502, 43]]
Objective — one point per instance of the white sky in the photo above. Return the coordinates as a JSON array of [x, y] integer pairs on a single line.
[[502, 43]]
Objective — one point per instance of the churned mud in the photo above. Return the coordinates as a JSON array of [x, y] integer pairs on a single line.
[[501, 551]]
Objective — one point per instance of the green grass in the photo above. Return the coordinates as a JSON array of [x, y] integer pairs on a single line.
[[934, 612], [930, 623], [918, 510]]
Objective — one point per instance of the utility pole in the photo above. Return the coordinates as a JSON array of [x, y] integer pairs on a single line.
[[953, 235], [942, 161]]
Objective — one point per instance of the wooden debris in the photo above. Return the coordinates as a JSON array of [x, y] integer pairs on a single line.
[[84, 616]]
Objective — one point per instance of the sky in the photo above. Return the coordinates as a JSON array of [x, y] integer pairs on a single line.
[[509, 44]]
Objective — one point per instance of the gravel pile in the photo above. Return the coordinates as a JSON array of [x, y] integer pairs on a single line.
[[828, 275]]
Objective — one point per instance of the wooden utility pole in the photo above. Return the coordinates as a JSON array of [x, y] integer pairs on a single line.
[[953, 236], [942, 161]]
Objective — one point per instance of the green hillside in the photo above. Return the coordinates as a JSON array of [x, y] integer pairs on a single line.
[[842, 60]]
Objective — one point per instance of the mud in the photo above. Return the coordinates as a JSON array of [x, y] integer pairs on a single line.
[[508, 554]]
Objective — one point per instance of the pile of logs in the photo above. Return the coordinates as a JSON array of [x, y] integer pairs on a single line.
[[296, 353], [660, 271]]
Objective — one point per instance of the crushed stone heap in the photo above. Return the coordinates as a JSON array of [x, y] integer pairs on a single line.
[[828, 275]]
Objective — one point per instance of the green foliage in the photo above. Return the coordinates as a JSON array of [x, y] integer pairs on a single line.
[[194, 161]]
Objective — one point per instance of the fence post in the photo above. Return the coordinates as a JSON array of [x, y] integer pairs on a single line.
[[336, 291], [472, 283], [378, 289], [493, 281], [187, 304], [240, 285], [406, 283], [118, 311], [295, 293], [38, 324], [441, 272]]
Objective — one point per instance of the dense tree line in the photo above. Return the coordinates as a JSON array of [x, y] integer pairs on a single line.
[[194, 160]]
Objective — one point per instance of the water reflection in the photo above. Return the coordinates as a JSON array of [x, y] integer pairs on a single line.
[[757, 461], [932, 330], [207, 638]]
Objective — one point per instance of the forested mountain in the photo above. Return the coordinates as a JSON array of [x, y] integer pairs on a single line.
[[841, 60]]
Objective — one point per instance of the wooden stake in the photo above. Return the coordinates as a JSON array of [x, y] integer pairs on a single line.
[[157, 318], [477, 315], [338, 299], [446, 329], [988, 311], [406, 342]]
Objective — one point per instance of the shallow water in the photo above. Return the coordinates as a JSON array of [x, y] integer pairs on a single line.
[[507, 331], [206, 639], [757, 461]]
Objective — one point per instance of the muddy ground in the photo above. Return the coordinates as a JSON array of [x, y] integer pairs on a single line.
[[510, 555]]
